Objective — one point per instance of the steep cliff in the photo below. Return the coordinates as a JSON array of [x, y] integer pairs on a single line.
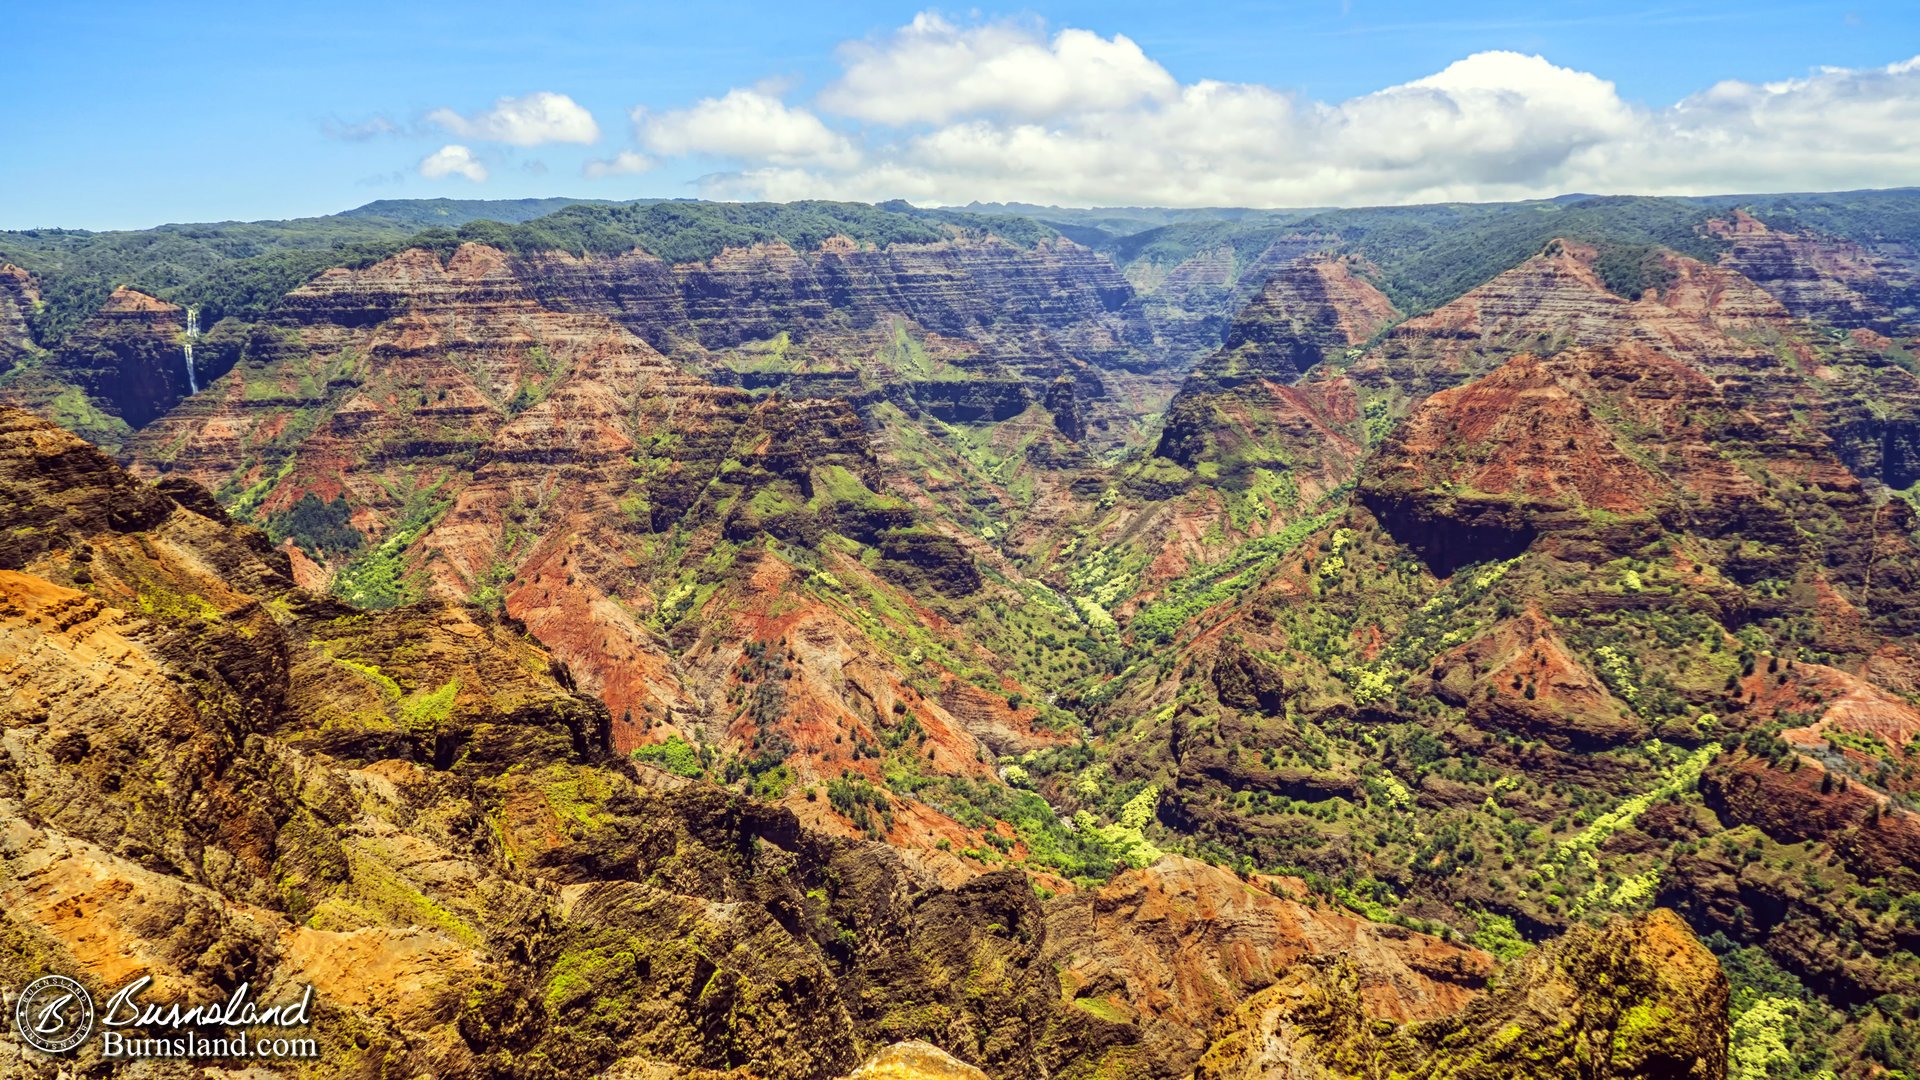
[[1633, 999], [128, 357], [1310, 311], [1023, 317], [1192, 301], [1558, 299], [1823, 278], [18, 297]]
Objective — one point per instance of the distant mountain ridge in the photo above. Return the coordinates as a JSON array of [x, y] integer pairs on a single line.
[[426, 213]]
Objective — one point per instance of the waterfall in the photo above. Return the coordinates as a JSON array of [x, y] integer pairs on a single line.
[[193, 331]]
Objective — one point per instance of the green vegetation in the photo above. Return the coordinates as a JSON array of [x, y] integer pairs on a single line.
[[1680, 778], [243, 503], [674, 754], [1193, 593], [1780, 1030], [319, 528], [1497, 934], [867, 806], [1431, 254], [380, 578], [1629, 270], [693, 231], [1087, 850], [1124, 837], [425, 711]]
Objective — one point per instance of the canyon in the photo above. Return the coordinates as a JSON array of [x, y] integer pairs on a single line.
[[825, 640]]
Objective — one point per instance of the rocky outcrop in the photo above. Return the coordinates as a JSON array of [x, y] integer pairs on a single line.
[[1599, 451], [1829, 280], [1174, 946], [1310, 310], [1239, 410], [1558, 300], [749, 294], [915, 1060], [128, 358], [1521, 678], [1807, 802], [1477, 472], [1639, 998]]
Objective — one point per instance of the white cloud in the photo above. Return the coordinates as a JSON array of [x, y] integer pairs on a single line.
[[537, 118], [936, 112], [933, 71], [624, 163], [452, 160], [749, 124], [1836, 128]]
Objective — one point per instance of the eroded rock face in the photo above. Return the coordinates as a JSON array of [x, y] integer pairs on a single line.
[[915, 1060], [1240, 409], [1311, 310], [521, 395], [1597, 452], [1830, 280], [1174, 946], [1194, 302], [1522, 678], [128, 357], [1635, 998], [1557, 300], [1249, 447], [1807, 798], [1543, 456], [1030, 316]]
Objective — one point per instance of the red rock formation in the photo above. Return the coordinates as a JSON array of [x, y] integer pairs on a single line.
[[1808, 803], [1556, 300], [1520, 677], [1599, 449], [553, 460], [1177, 945], [1821, 278]]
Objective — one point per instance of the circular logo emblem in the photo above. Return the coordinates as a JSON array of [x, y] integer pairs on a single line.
[[54, 1014]]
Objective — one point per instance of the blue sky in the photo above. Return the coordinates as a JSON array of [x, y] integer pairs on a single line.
[[133, 115]]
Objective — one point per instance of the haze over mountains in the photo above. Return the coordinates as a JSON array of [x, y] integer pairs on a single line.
[[660, 638]]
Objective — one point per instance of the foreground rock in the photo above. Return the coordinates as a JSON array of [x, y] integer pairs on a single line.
[[1633, 999]]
